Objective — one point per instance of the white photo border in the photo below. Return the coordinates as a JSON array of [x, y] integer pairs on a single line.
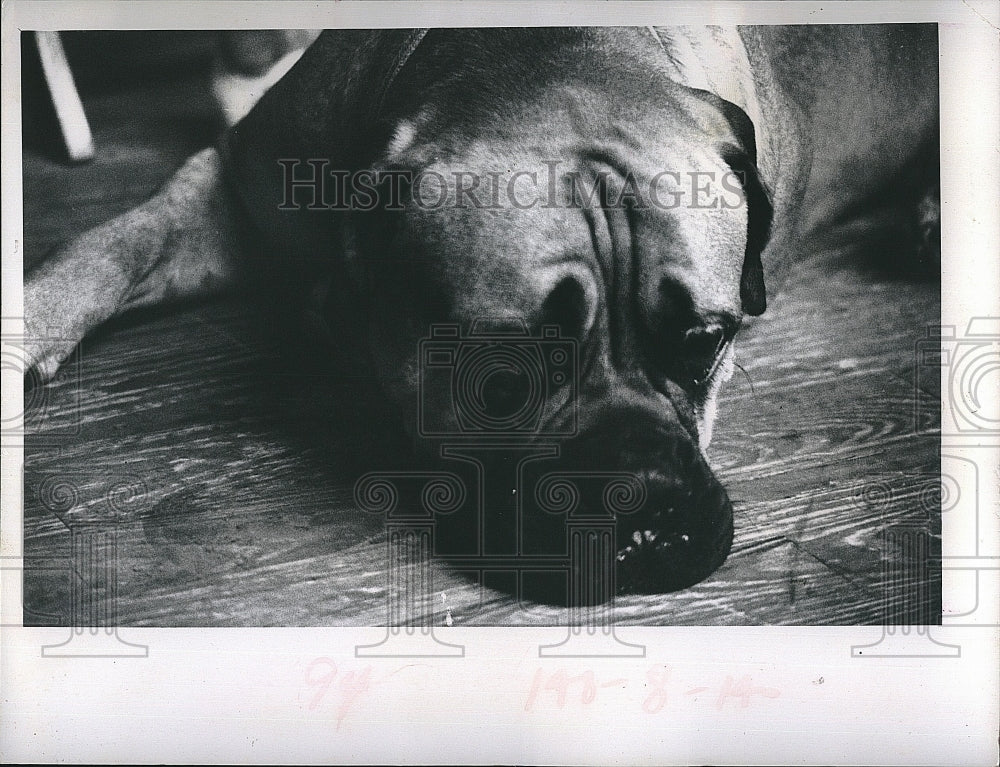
[[709, 695]]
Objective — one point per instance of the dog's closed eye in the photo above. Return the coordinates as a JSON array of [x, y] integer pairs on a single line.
[[702, 349], [703, 346]]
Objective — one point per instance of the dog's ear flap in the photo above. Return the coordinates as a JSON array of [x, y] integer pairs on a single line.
[[742, 158], [760, 213], [739, 122]]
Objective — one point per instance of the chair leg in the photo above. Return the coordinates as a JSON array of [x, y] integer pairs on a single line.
[[68, 107]]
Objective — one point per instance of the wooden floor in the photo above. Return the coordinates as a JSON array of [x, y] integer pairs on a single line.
[[182, 431]]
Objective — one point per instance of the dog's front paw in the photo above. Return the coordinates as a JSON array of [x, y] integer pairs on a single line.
[[46, 368], [43, 353], [57, 315]]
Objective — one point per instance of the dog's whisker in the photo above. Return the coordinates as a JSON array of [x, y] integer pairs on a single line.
[[745, 375]]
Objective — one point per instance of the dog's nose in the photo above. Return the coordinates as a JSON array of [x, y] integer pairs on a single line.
[[680, 536], [681, 528]]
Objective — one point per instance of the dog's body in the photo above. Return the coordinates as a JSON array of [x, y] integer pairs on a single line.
[[814, 122]]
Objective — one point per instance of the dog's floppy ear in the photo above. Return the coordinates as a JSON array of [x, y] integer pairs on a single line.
[[742, 158], [760, 213], [739, 121]]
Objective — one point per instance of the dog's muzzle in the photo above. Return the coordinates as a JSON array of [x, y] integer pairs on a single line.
[[629, 501], [680, 528]]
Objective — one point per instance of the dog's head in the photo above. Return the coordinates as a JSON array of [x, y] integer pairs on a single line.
[[571, 268]]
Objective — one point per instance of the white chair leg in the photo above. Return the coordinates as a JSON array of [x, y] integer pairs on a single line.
[[69, 109]]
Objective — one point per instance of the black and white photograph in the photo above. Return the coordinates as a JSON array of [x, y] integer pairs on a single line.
[[335, 322], [628, 319]]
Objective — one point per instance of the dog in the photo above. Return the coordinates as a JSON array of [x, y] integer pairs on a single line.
[[763, 141]]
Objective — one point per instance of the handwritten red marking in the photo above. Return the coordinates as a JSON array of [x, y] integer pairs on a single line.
[[536, 682], [327, 673], [657, 698], [353, 686], [321, 674], [559, 683], [743, 689], [566, 687]]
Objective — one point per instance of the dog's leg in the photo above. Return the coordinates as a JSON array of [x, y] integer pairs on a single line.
[[181, 243]]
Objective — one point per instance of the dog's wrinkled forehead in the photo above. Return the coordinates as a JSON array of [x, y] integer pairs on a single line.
[[506, 201], [490, 228]]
